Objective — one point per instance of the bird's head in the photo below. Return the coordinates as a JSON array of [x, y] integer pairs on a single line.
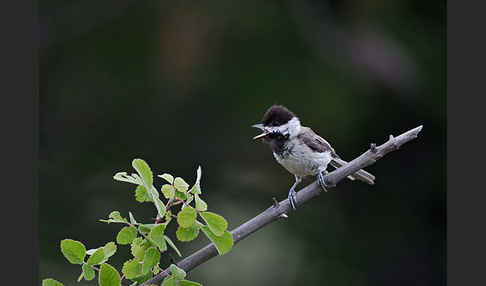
[[278, 123]]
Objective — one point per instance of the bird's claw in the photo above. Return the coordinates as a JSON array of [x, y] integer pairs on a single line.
[[293, 199], [320, 180]]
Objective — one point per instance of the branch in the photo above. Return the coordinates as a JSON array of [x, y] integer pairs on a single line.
[[279, 210]]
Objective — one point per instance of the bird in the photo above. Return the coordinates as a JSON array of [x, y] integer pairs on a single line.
[[300, 150]]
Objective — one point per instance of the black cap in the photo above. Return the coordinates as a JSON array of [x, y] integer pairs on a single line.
[[277, 115]]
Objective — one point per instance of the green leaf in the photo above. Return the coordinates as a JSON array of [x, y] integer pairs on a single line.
[[157, 236], [97, 257], [132, 268], [168, 177], [134, 283], [146, 228], [88, 272], [181, 185], [223, 243], [132, 218], [51, 282], [138, 247], [81, 276], [91, 251], [109, 249], [180, 195], [186, 217], [150, 259], [168, 217], [187, 234], [171, 244], [73, 250], [160, 207], [126, 235], [168, 191], [177, 272], [123, 177], [141, 194], [144, 171], [115, 216], [200, 204], [108, 276], [190, 197], [143, 278], [137, 177], [158, 203], [156, 269], [216, 223], [188, 283], [196, 189], [169, 281]]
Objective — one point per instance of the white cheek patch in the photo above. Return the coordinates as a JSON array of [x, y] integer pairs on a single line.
[[292, 128]]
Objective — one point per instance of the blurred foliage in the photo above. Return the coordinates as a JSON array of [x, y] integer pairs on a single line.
[[116, 77]]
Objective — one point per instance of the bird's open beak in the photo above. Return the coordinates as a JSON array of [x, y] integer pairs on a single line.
[[260, 126]]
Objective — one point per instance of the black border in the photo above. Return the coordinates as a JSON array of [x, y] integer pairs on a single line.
[[20, 209], [466, 199]]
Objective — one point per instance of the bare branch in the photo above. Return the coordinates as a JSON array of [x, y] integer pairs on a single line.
[[281, 209]]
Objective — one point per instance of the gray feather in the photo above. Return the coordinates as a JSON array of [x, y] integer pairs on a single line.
[[361, 175]]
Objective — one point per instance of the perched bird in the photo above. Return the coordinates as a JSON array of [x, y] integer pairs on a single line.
[[299, 150]]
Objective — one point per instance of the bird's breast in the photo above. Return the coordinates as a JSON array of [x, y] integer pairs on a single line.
[[301, 161]]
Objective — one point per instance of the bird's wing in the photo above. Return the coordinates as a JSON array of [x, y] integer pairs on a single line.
[[316, 142]]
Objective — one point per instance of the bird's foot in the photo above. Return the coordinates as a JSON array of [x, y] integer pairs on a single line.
[[293, 198], [320, 180]]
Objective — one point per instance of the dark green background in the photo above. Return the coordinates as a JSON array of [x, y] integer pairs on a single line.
[[179, 83]]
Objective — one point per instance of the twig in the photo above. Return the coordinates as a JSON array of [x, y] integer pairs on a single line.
[[275, 212], [275, 202]]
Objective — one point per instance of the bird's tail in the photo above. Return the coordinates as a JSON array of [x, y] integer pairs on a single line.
[[361, 175]]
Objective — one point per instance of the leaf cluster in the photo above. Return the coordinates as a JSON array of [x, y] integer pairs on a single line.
[[148, 241]]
